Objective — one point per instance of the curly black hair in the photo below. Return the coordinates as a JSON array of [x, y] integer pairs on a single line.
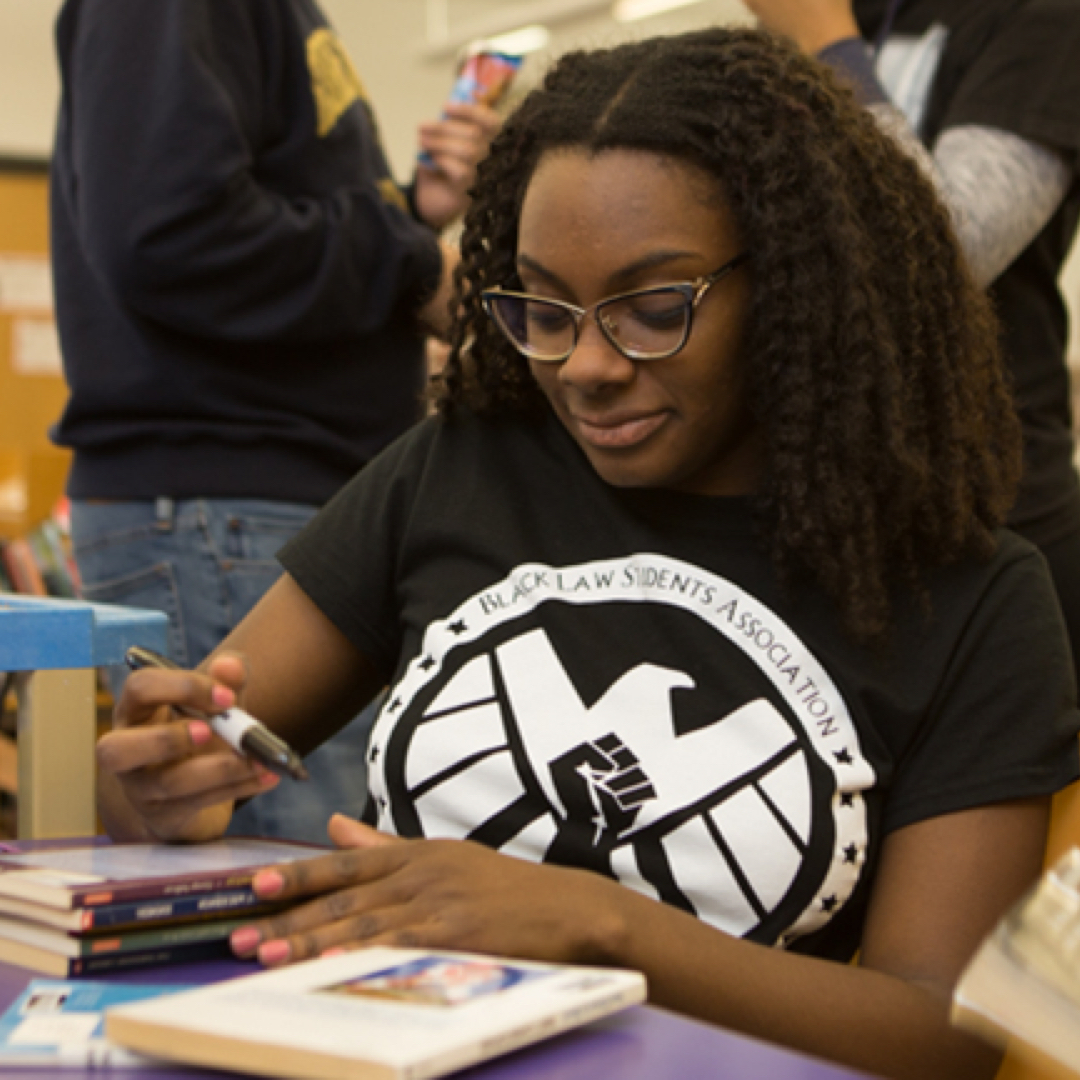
[[890, 436]]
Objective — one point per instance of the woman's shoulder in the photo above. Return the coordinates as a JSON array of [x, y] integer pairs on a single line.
[[1012, 586]]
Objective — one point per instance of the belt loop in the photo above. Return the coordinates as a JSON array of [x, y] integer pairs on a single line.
[[165, 512]]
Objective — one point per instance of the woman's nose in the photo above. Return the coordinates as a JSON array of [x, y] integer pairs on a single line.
[[595, 362]]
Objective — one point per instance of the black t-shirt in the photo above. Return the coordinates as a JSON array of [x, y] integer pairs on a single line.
[[1015, 65], [614, 679]]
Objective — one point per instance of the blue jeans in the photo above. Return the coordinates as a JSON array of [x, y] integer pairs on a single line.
[[205, 563]]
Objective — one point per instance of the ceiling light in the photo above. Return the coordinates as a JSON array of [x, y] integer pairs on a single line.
[[528, 39], [446, 40], [631, 10]]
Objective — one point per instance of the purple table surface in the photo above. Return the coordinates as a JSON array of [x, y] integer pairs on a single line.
[[643, 1043]]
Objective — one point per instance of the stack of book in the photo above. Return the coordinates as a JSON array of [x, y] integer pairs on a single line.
[[88, 907]]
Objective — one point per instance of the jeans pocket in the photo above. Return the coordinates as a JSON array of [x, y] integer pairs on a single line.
[[252, 541], [257, 536]]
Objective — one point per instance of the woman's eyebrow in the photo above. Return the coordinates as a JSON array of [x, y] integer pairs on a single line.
[[526, 262], [624, 274]]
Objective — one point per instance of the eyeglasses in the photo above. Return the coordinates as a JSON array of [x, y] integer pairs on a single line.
[[648, 324]]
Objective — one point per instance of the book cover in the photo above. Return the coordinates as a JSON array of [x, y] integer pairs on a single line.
[[106, 918], [88, 874], [392, 1014], [60, 1023], [63, 943], [1023, 985], [23, 954]]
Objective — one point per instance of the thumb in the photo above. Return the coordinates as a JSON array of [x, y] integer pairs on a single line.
[[347, 832]]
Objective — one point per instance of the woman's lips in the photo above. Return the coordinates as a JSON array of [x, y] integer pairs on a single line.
[[618, 432]]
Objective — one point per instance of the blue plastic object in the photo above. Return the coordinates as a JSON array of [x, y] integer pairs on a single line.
[[42, 633]]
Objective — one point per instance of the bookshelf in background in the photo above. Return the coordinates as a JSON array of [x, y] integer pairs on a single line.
[[32, 388], [32, 394]]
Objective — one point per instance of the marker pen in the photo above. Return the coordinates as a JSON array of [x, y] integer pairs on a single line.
[[246, 735]]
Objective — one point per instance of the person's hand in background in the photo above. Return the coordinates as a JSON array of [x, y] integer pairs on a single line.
[[452, 148]]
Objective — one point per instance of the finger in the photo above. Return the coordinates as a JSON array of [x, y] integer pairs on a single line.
[[450, 171], [449, 165], [327, 873], [169, 820], [347, 832], [346, 915], [229, 668], [392, 924], [148, 691], [478, 115], [466, 142], [131, 748], [393, 927], [199, 782]]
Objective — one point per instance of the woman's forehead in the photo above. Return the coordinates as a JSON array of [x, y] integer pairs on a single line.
[[628, 198]]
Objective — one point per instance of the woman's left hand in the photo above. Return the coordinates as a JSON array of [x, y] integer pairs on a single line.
[[447, 894]]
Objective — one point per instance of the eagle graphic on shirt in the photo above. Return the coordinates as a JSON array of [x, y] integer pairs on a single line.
[[489, 736]]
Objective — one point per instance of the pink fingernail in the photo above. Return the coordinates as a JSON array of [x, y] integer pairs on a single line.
[[268, 780], [245, 940], [274, 952], [337, 950], [223, 697], [268, 882], [199, 732]]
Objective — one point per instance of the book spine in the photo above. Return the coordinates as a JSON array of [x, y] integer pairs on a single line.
[[175, 954], [115, 892], [164, 937], [155, 911]]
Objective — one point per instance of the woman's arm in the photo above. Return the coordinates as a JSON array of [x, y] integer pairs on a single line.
[[941, 886], [165, 776]]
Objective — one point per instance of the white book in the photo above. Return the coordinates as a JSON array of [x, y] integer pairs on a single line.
[[373, 1014], [1024, 982]]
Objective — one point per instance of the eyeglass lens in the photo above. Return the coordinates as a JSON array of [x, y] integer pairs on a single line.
[[642, 324]]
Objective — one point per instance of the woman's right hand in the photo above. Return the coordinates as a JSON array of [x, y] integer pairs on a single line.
[[166, 776]]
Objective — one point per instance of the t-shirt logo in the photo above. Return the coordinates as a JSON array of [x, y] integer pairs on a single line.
[[750, 817]]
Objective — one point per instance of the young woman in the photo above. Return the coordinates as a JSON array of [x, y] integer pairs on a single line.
[[706, 653]]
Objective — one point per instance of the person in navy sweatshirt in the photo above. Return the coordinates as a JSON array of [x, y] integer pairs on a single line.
[[243, 293]]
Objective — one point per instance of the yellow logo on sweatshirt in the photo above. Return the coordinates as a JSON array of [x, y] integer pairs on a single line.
[[392, 194], [334, 81]]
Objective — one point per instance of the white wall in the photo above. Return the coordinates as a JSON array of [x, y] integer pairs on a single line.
[[384, 37], [28, 82]]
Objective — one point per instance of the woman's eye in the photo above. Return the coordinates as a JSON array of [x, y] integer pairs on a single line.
[[546, 319], [656, 312]]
